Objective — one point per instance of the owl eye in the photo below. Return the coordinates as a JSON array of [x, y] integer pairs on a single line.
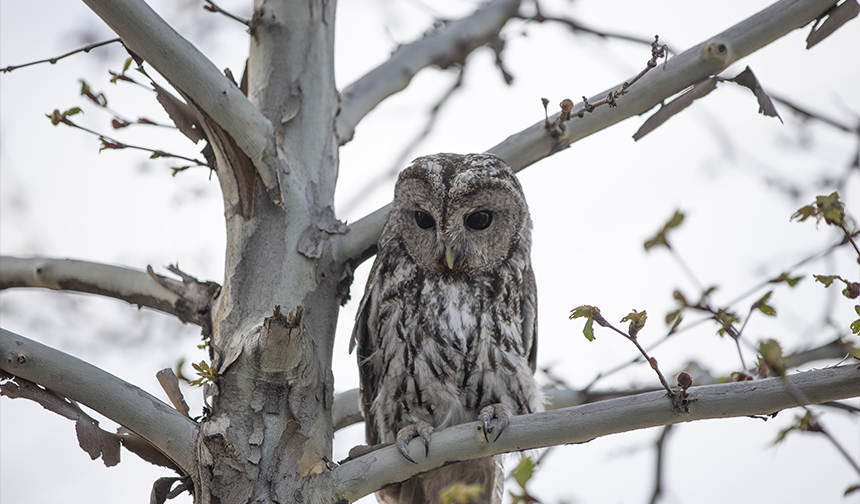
[[424, 220], [480, 220]]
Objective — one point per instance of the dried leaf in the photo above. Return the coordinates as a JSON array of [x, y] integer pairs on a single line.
[[170, 384], [143, 449], [765, 104], [180, 113], [161, 490], [836, 17], [97, 442], [698, 90]]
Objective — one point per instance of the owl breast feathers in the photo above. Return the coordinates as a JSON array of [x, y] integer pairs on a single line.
[[448, 322]]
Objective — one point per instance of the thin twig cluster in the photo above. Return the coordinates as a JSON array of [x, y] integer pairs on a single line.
[[556, 128]]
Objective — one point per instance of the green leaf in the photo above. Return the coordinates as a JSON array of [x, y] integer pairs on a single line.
[[73, 111], [680, 298], [804, 213], [588, 330], [675, 221], [851, 290], [827, 207], [674, 327], [583, 311], [784, 277], [831, 208], [726, 320], [460, 493], [771, 355], [127, 65], [826, 279], [763, 307], [767, 310], [855, 326], [523, 472], [660, 237], [637, 321]]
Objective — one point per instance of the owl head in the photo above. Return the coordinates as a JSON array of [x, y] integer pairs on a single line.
[[460, 214]]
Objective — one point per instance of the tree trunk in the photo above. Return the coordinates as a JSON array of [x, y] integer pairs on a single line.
[[270, 425]]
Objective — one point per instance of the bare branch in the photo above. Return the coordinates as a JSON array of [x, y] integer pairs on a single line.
[[659, 465], [401, 160], [577, 27], [693, 65], [214, 8], [445, 48], [156, 422], [346, 409], [148, 36], [368, 473], [55, 59], [188, 300]]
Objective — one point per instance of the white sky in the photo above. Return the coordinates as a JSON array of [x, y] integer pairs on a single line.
[[593, 205]]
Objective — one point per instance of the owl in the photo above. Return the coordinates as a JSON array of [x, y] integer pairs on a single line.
[[447, 329]]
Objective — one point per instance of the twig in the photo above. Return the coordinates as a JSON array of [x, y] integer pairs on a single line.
[[112, 143], [686, 327], [399, 164], [55, 59], [556, 128], [658, 476], [576, 26], [801, 110], [637, 322], [212, 7], [799, 396]]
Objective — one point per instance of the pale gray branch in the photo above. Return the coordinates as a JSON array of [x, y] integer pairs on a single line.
[[580, 424], [156, 422], [188, 300], [680, 72], [146, 34], [346, 408], [450, 45], [693, 65]]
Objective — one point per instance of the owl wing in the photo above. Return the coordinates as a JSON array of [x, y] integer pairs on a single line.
[[368, 378], [529, 311]]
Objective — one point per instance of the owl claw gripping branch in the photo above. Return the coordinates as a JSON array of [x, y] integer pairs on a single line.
[[411, 431], [447, 329]]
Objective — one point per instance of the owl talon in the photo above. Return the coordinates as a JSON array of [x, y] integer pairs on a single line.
[[410, 432], [504, 420], [401, 445], [499, 411]]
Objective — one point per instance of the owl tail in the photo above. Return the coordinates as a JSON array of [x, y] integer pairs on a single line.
[[425, 488]]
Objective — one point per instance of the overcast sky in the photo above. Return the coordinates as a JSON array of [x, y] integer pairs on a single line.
[[736, 174]]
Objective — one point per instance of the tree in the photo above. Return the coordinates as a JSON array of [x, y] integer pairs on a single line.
[[276, 158]]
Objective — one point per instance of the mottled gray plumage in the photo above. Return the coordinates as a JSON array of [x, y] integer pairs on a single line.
[[448, 322]]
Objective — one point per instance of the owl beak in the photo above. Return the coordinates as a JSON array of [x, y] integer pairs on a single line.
[[450, 257]]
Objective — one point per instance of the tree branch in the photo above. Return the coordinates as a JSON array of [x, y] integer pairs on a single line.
[[346, 408], [451, 45], [156, 422], [188, 300], [363, 475], [147, 35], [693, 65]]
